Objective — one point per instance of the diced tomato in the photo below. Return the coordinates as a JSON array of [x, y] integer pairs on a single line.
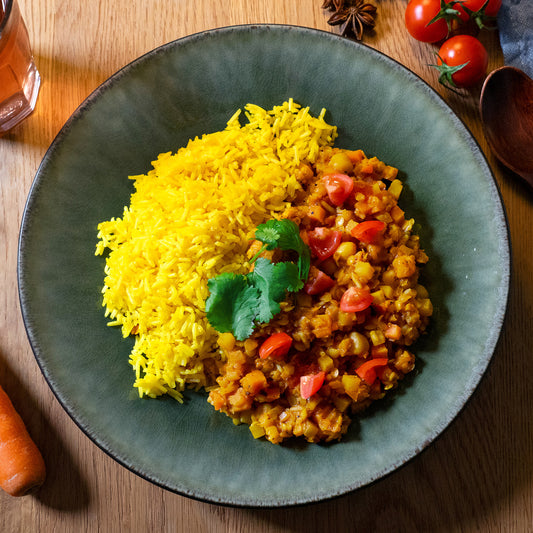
[[367, 371], [368, 231], [323, 242], [310, 384], [276, 346], [318, 282], [339, 187], [355, 299]]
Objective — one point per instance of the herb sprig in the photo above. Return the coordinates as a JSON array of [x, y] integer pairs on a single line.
[[238, 302]]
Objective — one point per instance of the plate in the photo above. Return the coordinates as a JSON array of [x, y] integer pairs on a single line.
[[190, 87]]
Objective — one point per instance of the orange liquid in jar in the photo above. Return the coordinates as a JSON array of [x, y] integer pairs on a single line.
[[19, 78]]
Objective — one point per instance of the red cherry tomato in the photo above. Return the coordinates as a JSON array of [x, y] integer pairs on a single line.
[[479, 8], [311, 384], [368, 230], [367, 371], [323, 242], [355, 299], [339, 187], [276, 346], [318, 282], [462, 61], [419, 14]]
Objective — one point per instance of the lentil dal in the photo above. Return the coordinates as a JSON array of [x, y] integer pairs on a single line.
[[349, 328]]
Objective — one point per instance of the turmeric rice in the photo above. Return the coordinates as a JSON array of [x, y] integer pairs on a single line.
[[191, 218]]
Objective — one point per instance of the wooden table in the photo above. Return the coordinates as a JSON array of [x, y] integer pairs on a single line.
[[477, 477]]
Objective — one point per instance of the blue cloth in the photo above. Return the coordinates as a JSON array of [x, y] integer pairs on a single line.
[[515, 24]]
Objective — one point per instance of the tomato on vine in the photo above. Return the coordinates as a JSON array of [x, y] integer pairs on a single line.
[[489, 7], [462, 61], [479, 11], [431, 21]]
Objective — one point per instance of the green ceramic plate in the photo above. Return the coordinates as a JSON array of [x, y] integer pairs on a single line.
[[192, 86]]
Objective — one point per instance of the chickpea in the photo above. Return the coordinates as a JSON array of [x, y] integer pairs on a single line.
[[360, 342], [340, 162], [250, 347], [422, 291], [344, 251], [226, 341]]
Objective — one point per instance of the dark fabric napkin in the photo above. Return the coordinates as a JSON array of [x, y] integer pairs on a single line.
[[515, 24]]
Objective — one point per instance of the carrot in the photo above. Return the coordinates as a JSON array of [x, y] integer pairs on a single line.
[[356, 156], [317, 213], [21, 463], [254, 382], [216, 400], [393, 332]]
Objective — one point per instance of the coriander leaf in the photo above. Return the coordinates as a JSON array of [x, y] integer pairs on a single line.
[[232, 304], [236, 302], [304, 261], [273, 281], [289, 235], [220, 304], [285, 234], [283, 276], [246, 309], [277, 232], [268, 234]]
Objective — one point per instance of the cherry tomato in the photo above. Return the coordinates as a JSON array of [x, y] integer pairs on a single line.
[[367, 371], [460, 21], [462, 61], [419, 14], [310, 384], [368, 230], [355, 299], [487, 8], [339, 187], [323, 242], [318, 282], [276, 346], [469, 16]]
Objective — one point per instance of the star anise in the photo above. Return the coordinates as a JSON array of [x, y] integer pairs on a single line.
[[354, 17], [333, 5]]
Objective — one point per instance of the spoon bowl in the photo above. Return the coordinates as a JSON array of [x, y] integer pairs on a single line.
[[506, 106]]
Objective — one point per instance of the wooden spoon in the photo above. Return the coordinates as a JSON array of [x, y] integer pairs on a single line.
[[506, 107]]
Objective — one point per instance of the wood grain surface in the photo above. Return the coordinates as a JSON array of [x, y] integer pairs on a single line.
[[478, 476]]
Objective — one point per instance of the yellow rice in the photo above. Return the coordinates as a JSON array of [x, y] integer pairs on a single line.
[[189, 219]]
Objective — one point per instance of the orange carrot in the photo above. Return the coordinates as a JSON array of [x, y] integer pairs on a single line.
[[254, 382], [317, 212], [21, 464], [356, 156]]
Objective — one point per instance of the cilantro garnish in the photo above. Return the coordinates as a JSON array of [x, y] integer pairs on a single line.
[[231, 305], [273, 281], [285, 234], [237, 302]]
